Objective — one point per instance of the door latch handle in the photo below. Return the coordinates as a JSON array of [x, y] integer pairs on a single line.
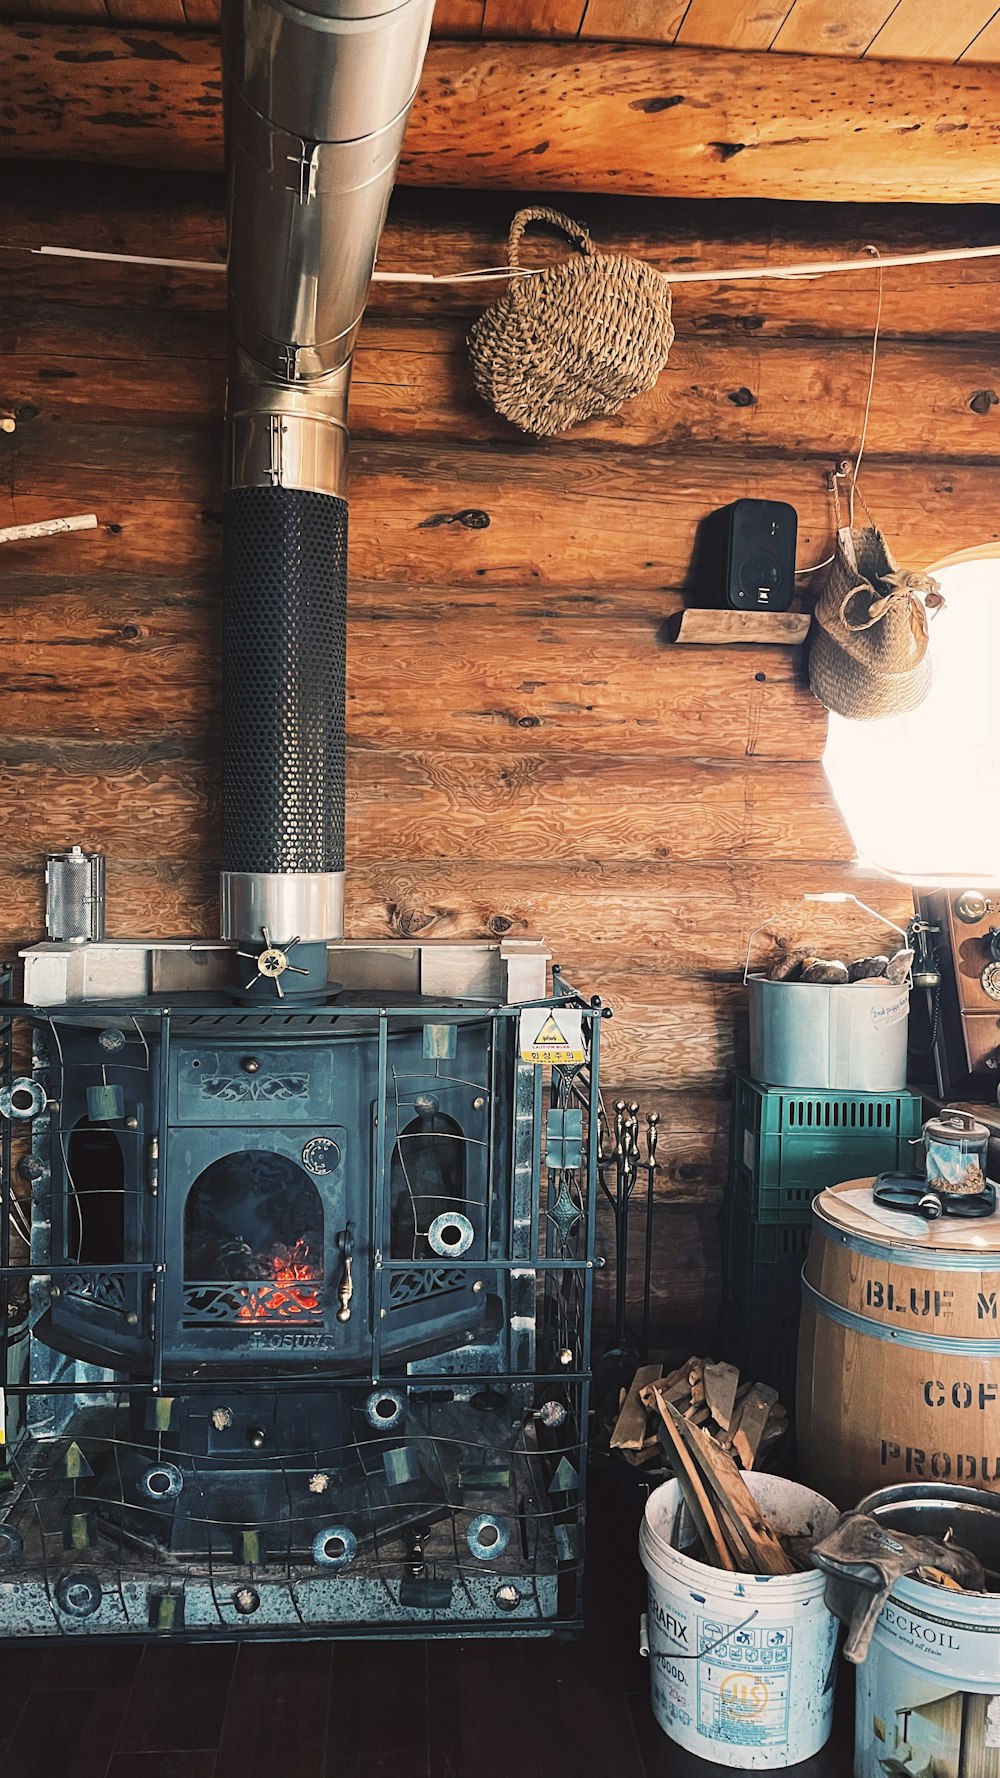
[[345, 1289]]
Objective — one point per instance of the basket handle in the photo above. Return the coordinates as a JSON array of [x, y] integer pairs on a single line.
[[574, 231]]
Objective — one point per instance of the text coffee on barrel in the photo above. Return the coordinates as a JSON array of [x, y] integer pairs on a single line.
[[899, 1349]]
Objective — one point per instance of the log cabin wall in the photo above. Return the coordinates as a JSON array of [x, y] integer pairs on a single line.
[[529, 755]]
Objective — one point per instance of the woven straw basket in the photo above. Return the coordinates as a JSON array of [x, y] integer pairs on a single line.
[[868, 649], [573, 341]]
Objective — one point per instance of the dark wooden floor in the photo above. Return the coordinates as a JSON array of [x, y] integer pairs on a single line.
[[574, 1709]]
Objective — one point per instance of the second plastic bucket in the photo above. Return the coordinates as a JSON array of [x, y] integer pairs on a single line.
[[743, 1666]]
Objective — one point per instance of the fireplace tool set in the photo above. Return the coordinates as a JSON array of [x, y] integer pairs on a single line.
[[618, 1175]]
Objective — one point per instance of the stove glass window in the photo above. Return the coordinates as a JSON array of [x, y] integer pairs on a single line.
[[427, 1181], [253, 1242], [95, 1196]]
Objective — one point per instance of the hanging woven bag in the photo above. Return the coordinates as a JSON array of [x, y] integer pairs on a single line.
[[573, 341], [868, 645]]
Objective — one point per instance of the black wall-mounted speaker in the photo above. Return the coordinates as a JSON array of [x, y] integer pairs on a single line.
[[748, 556]]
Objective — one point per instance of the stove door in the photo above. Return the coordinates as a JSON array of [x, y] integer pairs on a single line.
[[259, 1237]]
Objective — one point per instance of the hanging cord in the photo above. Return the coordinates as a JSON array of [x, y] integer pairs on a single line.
[[868, 399], [845, 468], [818, 268]]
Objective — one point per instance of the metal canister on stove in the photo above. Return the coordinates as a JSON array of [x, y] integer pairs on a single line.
[[955, 1146]]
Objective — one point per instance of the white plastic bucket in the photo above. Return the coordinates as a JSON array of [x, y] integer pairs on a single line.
[[742, 1666], [928, 1697]]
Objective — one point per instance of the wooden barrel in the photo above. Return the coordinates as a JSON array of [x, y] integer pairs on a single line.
[[899, 1349]]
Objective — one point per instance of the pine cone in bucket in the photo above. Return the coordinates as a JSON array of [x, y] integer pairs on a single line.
[[573, 341]]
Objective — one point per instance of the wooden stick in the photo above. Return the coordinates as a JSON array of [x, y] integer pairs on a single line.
[[721, 1384], [696, 1380], [732, 1494], [691, 1486], [819, 268], [84, 521], [753, 1420], [630, 1427]]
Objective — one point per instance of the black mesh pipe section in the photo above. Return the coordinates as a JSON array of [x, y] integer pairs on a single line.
[[284, 651]]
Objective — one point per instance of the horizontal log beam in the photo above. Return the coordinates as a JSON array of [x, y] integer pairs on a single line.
[[139, 211], [413, 380], [488, 898], [646, 121], [442, 519], [559, 685], [494, 806]]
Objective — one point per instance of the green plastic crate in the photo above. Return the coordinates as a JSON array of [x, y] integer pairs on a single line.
[[788, 1145], [764, 1268], [764, 1354]]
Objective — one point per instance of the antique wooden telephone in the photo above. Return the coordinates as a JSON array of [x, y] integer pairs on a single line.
[[957, 934]]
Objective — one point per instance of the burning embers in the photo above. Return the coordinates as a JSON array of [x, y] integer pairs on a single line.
[[283, 1295], [253, 1242]]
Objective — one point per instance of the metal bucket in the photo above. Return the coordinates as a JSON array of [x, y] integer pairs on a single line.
[[969, 1517], [848, 1036], [928, 1692]]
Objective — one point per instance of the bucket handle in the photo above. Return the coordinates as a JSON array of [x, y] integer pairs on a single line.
[[836, 895], [753, 935]]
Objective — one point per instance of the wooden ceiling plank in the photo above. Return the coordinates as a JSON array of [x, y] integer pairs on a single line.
[[811, 27], [985, 47], [721, 24], [832, 27], [532, 18], [633, 21], [571, 117], [927, 30]]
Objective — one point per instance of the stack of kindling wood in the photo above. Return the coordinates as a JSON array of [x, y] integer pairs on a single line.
[[706, 1424]]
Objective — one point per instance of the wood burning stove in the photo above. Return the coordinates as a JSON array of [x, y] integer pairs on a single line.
[[308, 1293], [254, 1201]]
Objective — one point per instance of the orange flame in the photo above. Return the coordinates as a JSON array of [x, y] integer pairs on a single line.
[[290, 1267]]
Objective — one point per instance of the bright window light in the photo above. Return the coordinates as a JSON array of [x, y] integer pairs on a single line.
[[921, 793]]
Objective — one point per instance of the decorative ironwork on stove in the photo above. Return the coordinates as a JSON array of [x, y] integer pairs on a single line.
[[312, 1349], [105, 1288], [236, 1089], [411, 1287]]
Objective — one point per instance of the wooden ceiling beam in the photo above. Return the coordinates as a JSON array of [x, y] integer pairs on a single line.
[[559, 117], [125, 210]]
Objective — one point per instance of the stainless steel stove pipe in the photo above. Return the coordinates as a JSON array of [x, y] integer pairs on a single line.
[[316, 100]]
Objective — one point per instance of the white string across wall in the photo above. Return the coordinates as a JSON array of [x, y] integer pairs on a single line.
[[816, 268]]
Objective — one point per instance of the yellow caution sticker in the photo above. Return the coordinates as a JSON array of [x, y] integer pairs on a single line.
[[553, 1037]]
